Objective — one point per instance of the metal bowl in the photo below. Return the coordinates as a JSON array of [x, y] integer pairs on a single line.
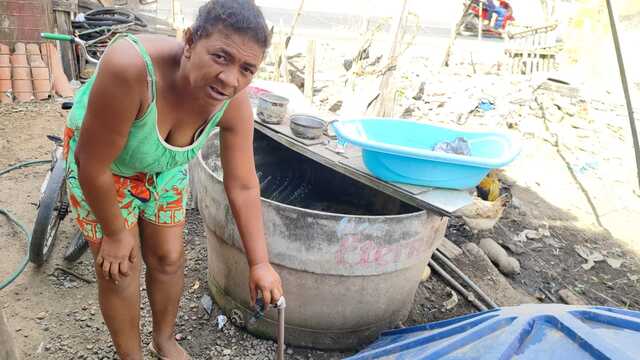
[[272, 108], [306, 126]]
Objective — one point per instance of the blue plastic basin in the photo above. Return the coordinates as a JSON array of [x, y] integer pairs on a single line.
[[525, 332], [398, 150]]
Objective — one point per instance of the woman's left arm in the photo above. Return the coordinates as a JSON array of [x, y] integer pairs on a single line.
[[243, 191]]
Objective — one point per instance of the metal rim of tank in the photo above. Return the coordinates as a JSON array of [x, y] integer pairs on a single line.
[[336, 214]]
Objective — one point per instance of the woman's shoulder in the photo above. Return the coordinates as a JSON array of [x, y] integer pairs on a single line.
[[161, 48], [122, 61]]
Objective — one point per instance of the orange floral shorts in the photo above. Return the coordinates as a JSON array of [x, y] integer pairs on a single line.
[[157, 198]]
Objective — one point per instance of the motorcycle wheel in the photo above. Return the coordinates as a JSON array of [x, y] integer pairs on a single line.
[[469, 26]]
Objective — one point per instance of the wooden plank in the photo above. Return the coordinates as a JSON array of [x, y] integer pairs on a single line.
[[386, 100], [65, 5], [309, 70], [439, 201], [449, 249], [357, 163], [67, 52]]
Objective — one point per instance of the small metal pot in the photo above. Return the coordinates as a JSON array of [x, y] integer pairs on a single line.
[[272, 108], [306, 126]]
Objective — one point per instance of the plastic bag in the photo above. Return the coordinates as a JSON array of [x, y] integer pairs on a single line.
[[459, 146]]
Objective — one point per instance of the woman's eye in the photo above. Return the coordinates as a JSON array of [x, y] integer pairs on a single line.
[[248, 71], [219, 57]]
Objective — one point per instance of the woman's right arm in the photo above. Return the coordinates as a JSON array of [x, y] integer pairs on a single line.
[[115, 100]]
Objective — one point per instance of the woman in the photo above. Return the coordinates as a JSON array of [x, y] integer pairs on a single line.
[[134, 126]]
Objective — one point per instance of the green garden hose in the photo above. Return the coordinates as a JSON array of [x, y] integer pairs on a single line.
[[4, 212]]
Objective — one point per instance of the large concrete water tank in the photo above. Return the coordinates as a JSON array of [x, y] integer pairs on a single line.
[[350, 257]]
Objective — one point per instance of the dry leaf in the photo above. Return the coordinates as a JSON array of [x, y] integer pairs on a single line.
[[553, 242], [452, 302], [614, 262], [588, 265], [588, 254]]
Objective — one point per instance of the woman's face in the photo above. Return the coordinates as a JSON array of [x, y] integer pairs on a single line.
[[222, 64]]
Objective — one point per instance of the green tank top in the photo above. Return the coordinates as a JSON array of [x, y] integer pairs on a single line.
[[145, 150]]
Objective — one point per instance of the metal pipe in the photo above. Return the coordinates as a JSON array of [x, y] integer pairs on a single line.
[[625, 87], [467, 295], [280, 306], [465, 278]]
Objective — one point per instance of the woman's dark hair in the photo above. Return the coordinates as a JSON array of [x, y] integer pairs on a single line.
[[240, 16]]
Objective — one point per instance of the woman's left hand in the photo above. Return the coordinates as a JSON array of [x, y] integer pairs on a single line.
[[263, 278]]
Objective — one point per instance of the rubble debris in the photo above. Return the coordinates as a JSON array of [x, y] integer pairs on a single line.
[[221, 320]]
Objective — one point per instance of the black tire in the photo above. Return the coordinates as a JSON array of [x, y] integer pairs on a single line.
[[48, 219], [77, 247], [469, 25]]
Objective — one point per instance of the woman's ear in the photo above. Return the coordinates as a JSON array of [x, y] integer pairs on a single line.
[[188, 43]]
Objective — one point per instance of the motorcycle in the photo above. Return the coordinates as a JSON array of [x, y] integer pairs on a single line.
[[470, 20]]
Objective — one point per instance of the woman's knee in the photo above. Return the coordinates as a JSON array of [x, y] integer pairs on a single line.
[[166, 264]]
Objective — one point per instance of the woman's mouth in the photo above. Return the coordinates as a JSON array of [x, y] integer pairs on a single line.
[[216, 94]]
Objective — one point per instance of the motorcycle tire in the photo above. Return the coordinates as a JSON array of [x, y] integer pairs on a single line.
[[48, 218], [469, 26], [77, 247]]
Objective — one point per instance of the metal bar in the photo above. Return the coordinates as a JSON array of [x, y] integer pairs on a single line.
[[281, 305], [467, 295], [625, 87], [465, 278]]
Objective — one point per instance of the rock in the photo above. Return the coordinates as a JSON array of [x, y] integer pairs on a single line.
[[571, 298], [490, 280], [179, 337], [41, 316], [226, 352], [507, 264]]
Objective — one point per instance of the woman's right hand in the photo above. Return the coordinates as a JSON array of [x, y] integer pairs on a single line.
[[116, 255]]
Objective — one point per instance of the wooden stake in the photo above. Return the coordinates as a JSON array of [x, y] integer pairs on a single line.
[[310, 69], [454, 34], [283, 51], [480, 21], [387, 94], [8, 349]]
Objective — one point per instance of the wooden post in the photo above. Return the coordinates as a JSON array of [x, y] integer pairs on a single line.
[[454, 34], [387, 93], [62, 10], [309, 70], [8, 349], [480, 21], [283, 52], [625, 86]]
